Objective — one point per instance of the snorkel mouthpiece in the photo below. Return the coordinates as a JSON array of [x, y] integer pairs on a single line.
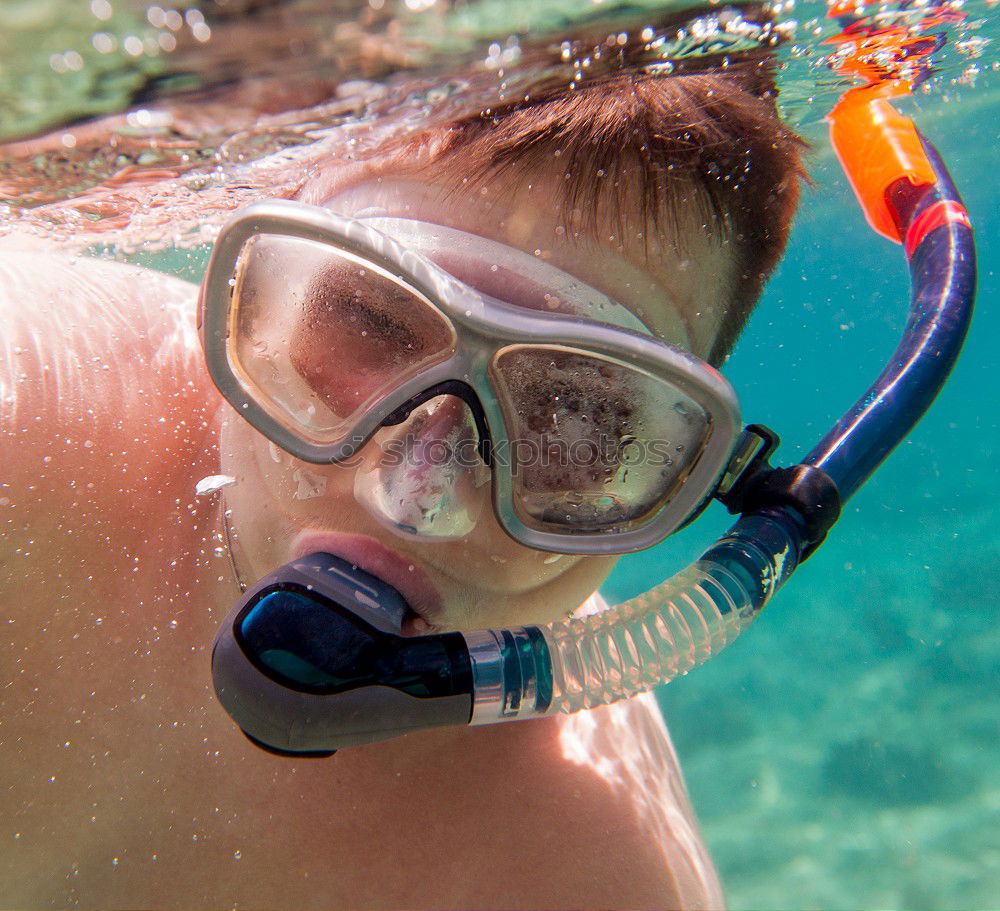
[[312, 659]]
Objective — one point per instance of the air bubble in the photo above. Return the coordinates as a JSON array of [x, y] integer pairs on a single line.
[[212, 484]]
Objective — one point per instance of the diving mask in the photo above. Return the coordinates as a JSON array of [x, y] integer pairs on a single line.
[[321, 329]]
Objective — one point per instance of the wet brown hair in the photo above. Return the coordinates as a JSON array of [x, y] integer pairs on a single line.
[[660, 145]]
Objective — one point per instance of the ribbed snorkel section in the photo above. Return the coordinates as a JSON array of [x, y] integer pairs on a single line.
[[674, 627], [645, 641], [642, 642]]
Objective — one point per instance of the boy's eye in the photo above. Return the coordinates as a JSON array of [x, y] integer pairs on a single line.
[[360, 332], [595, 442], [359, 313], [321, 335], [565, 388]]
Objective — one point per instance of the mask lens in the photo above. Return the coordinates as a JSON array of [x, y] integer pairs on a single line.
[[318, 335], [596, 445]]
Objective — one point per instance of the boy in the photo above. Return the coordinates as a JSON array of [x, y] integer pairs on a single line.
[[125, 783]]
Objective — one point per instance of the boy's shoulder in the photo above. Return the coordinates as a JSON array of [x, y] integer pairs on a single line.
[[101, 378], [71, 307]]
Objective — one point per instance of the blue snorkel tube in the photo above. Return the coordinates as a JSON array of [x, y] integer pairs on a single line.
[[942, 264], [908, 196], [312, 660]]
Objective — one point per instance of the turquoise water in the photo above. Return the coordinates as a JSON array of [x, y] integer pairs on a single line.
[[843, 753]]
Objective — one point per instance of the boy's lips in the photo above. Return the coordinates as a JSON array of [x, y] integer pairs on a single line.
[[402, 573]]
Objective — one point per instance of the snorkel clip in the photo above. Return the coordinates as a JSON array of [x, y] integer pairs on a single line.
[[804, 493]]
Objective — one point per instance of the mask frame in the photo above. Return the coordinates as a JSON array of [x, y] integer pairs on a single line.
[[483, 327]]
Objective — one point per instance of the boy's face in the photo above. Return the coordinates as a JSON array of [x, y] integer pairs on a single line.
[[282, 507]]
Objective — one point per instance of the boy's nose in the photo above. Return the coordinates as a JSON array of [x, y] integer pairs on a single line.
[[425, 477]]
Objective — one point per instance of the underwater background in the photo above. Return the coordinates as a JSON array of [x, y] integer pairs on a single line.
[[844, 752]]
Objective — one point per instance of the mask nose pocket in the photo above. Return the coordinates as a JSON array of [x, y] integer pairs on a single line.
[[425, 477]]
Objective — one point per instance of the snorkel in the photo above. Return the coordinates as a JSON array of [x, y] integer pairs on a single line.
[[311, 659]]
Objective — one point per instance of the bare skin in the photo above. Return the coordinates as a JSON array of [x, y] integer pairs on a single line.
[[126, 784]]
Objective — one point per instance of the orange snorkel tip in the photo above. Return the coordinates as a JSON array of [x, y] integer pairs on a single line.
[[877, 146]]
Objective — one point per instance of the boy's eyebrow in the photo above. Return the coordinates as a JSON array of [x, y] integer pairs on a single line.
[[653, 153]]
